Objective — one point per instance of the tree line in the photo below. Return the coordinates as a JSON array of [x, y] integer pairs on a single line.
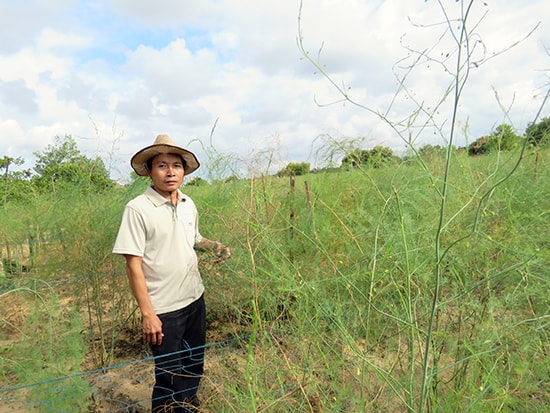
[[62, 165], [503, 138]]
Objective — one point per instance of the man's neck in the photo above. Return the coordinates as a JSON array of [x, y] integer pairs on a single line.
[[171, 196]]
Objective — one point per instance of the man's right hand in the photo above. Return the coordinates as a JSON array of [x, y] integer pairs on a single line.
[[152, 330]]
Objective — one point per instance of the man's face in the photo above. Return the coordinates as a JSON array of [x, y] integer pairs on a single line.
[[167, 173]]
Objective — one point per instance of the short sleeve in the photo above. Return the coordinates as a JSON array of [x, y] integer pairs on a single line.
[[131, 234]]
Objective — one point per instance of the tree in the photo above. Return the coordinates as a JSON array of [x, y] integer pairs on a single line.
[[295, 169], [6, 161], [506, 139], [503, 138], [355, 158], [433, 151], [14, 185], [480, 146], [62, 163], [375, 157], [382, 155], [538, 134]]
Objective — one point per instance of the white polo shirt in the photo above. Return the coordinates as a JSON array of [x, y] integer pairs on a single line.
[[164, 235]]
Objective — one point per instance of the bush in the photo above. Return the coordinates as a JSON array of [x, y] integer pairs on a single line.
[[295, 169], [375, 157], [538, 134], [502, 139]]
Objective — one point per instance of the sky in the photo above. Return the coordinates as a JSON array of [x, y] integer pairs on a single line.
[[250, 85]]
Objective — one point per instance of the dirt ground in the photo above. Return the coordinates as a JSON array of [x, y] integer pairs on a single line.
[[128, 388], [125, 386]]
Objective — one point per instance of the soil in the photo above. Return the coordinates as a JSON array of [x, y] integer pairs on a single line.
[[127, 386]]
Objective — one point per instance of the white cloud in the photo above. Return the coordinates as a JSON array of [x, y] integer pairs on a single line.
[[162, 12], [174, 73], [22, 22], [121, 71], [52, 39]]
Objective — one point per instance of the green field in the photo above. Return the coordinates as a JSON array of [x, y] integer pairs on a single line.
[[351, 290]]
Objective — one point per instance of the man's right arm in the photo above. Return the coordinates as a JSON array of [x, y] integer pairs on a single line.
[[152, 326]]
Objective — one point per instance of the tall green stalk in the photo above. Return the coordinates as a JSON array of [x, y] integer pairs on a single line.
[[459, 83], [408, 304]]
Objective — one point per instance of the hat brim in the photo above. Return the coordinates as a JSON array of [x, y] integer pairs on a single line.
[[139, 160]]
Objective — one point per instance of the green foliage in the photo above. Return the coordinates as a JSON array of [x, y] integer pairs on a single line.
[[7, 161], [295, 169], [139, 180], [231, 178], [346, 264], [63, 151], [375, 158], [480, 146], [433, 151], [51, 346], [538, 133], [14, 185], [197, 181], [15, 190], [62, 165], [329, 287], [502, 139]]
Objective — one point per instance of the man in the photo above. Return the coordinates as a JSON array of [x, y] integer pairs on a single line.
[[157, 237]]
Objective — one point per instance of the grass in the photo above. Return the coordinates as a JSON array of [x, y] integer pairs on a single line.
[[329, 291]]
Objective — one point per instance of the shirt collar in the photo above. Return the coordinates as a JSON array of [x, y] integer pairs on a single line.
[[157, 199]]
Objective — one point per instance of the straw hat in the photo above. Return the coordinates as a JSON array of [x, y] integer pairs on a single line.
[[163, 144]]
